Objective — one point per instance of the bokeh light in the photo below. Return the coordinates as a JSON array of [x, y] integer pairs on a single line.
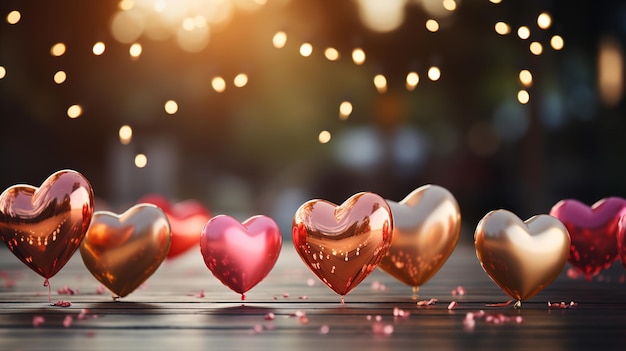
[[523, 97], [434, 73], [557, 42], [74, 111], [171, 107], [240, 80], [502, 28], [536, 48], [544, 21], [381, 16], [60, 77], [279, 40], [306, 49], [412, 79], [57, 49], [523, 32], [324, 137], [135, 50], [14, 17], [126, 134], [432, 25], [3, 72], [345, 109], [380, 82], [98, 48], [526, 78], [358, 56], [449, 5], [331, 54], [141, 160], [219, 84]]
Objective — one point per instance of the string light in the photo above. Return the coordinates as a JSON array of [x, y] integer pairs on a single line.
[[345, 109], [126, 134], [135, 50], [331, 54], [526, 78], [380, 82], [14, 17], [306, 49], [219, 84], [57, 49], [98, 48], [3, 72], [279, 40], [240, 80], [74, 111], [60, 77], [495, 1], [434, 73], [358, 56], [412, 79], [536, 48], [141, 160], [171, 107], [544, 21], [432, 25], [502, 28], [324, 137], [523, 97], [523, 32], [557, 42], [449, 5]]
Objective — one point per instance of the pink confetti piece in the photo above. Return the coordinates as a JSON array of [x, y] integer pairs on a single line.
[[37, 321], [258, 329], [459, 290], [303, 297], [397, 312], [275, 297], [198, 294], [9, 283], [310, 282], [66, 290], [62, 303], [380, 329], [324, 329], [500, 304], [100, 289], [83, 314], [303, 320], [368, 317], [452, 305], [378, 318], [285, 295], [429, 302], [573, 273], [269, 317], [561, 305], [67, 322]]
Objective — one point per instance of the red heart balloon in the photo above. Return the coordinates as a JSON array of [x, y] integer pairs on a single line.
[[44, 226], [240, 255], [593, 232], [186, 220], [343, 244], [621, 239]]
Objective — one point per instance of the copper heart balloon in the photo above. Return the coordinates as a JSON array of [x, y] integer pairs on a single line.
[[343, 244], [44, 226], [123, 251], [240, 255], [593, 231], [186, 221], [522, 257], [427, 223]]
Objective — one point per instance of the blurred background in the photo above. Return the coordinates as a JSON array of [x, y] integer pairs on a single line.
[[256, 106]]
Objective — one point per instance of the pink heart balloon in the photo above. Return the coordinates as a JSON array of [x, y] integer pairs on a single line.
[[593, 231], [240, 255], [44, 226], [621, 239], [186, 219]]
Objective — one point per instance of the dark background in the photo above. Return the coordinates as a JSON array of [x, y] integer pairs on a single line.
[[254, 150]]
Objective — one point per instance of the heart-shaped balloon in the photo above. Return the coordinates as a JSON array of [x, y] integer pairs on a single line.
[[123, 251], [44, 226], [593, 231], [186, 221], [621, 239], [522, 257], [427, 223], [240, 255], [343, 244]]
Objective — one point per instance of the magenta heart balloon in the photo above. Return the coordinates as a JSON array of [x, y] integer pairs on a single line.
[[593, 232], [240, 255], [621, 239]]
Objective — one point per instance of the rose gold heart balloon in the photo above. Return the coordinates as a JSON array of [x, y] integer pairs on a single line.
[[343, 244], [427, 223], [123, 251], [240, 255], [44, 226], [521, 257]]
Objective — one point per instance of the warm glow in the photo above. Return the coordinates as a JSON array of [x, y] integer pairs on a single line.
[[381, 83], [544, 21], [523, 32], [126, 5], [381, 16], [526, 78], [324, 136], [432, 25], [171, 107], [331, 54], [98, 48], [279, 40], [358, 56], [141, 160], [3, 72], [557, 42], [74, 111], [434, 73], [126, 134], [523, 97], [502, 28], [306, 49], [449, 5], [611, 71], [135, 50], [240, 80], [496, 1], [219, 84], [345, 109], [57, 49], [412, 79], [60, 77], [13, 17], [536, 48], [127, 26]]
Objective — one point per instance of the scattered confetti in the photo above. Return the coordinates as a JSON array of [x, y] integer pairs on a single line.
[[324, 329], [459, 290], [304, 297], [100, 289], [37, 321], [66, 290], [199, 294], [452, 305], [426, 303], [368, 317], [310, 282], [469, 322], [561, 305], [377, 286], [397, 312], [380, 329], [258, 328], [269, 317], [67, 322], [62, 303], [285, 295]]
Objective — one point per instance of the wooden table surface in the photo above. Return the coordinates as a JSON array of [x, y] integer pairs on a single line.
[[169, 312]]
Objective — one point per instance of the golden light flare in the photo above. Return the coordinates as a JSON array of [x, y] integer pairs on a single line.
[[557, 42], [60, 77], [219, 84], [324, 137], [98, 48], [412, 79], [523, 32], [171, 107], [544, 20], [240, 80], [432, 25], [14, 17], [57, 49], [345, 109], [526, 78], [125, 134], [331, 54], [358, 56], [380, 82], [502, 28], [523, 97], [141, 160], [3, 72], [536, 48], [135, 50], [306, 49], [434, 73], [74, 111], [279, 40]]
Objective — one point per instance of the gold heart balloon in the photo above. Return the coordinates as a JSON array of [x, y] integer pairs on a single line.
[[427, 223], [522, 257], [123, 251], [343, 244]]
